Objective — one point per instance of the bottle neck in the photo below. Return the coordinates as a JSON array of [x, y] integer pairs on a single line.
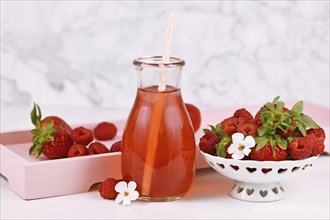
[[152, 71], [163, 78]]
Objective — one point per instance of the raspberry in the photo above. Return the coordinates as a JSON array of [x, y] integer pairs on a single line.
[[207, 143], [195, 116], [257, 118], [318, 146], [248, 129], [105, 131], [243, 113], [116, 147], [82, 136], [300, 148], [77, 150], [107, 188], [318, 132], [97, 148], [266, 153], [127, 178], [229, 125]]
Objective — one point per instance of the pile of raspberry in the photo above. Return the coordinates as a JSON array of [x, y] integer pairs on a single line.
[[83, 140], [280, 133]]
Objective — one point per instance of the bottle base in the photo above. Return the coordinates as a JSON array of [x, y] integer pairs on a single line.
[[161, 199]]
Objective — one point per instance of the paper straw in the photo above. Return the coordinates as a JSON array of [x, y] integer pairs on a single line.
[[157, 115], [166, 51]]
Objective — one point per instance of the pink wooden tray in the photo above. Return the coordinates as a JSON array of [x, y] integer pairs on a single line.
[[32, 178]]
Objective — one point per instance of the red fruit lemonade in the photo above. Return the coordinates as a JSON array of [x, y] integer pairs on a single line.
[[159, 145]]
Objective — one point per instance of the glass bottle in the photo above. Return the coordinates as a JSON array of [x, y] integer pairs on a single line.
[[158, 145]]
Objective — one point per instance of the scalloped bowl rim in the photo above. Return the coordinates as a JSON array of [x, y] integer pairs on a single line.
[[257, 171]]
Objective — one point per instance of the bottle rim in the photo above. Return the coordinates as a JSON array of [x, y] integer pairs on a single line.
[[156, 61]]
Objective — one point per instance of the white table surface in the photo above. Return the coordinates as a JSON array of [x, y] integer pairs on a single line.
[[307, 194]]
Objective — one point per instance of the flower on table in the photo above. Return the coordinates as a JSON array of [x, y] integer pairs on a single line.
[[126, 192], [241, 146]]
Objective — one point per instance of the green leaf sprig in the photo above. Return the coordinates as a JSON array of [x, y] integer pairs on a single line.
[[275, 116], [224, 138]]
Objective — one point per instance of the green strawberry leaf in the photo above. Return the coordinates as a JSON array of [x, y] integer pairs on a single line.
[[272, 144], [280, 106], [298, 107], [294, 114], [49, 124], [289, 139], [275, 99], [269, 129], [35, 115], [301, 127], [218, 126], [221, 147], [270, 106], [261, 142], [212, 128], [205, 130], [261, 131], [280, 142], [308, 121]]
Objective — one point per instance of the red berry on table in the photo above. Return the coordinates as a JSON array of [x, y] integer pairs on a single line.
[[300, 148], [77, 150], [207, 143], [266, 153], [105, 131], [51, 136], [107, 188], [82, 135], [116, 147], [97, 148], [195, 116]]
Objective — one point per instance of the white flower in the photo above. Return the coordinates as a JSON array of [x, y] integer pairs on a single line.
[[127, 193], [241, 146]]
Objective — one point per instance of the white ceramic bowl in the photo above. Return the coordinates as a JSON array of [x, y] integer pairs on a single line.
[[258, 181]]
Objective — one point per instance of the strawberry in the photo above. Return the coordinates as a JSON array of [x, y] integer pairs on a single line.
[[207, 143], [300, 148], [51, 136], [105, 131], [57, 122], [116, 147], [107, 188], [97, 148], [77, 150], [81, 135], [195, 116], [267, 153]]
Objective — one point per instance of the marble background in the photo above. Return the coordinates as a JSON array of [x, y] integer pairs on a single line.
[[238, 53]]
